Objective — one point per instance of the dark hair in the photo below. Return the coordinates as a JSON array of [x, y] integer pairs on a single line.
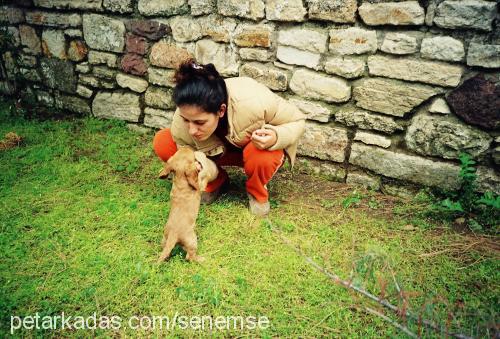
[[199, 85]]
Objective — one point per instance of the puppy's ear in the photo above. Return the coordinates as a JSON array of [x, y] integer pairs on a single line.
[[165, 171], [192, 178]]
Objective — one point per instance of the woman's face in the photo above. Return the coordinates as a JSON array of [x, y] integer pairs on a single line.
[[201, 125]]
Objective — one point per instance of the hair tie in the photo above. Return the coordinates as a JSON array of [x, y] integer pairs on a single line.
[[196, 66]]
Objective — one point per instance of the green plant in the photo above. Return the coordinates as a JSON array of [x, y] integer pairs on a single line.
[[466, 202], [354, 198]]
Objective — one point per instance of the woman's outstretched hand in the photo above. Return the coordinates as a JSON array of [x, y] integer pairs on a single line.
[[264, 138]]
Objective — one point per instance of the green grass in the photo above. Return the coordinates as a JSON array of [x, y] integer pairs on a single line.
[[82, 215]]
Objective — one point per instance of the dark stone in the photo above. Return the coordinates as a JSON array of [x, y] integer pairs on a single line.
[[150, 29], [477, 101], [134, 64], [58, 74], [136, 44]]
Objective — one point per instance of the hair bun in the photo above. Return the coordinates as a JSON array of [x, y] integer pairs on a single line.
[[190, 70]]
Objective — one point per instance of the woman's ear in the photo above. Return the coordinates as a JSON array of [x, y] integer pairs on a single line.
[[222, 110]]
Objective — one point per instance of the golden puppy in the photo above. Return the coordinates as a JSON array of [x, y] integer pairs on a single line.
[[185, 198]]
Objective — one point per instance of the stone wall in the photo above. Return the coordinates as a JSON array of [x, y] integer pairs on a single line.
[[393, 90]]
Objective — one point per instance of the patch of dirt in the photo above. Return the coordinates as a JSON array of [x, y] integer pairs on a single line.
[[10, 140]]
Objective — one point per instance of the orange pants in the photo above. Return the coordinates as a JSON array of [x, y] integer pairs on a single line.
[[259, 165]]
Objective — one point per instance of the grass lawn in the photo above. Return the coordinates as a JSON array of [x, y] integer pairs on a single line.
[[82, 215]]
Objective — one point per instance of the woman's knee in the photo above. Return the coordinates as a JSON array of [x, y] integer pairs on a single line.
[[255, 158], [163, 144]]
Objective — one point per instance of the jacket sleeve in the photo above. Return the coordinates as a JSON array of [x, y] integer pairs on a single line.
[[288, 122], [177, 129]]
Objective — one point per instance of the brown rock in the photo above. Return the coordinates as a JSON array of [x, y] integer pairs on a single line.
[[253, 36], [77, 50], [168, 55], [477, 101], [150, 29], [136, 44], [134, 64]]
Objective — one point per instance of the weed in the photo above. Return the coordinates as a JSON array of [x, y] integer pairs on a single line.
[[481, 212], [353, 199]]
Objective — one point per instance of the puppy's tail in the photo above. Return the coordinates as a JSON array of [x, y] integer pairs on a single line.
[[167, 248]]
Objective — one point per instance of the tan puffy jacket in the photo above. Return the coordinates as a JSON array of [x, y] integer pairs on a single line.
[[251, 106]]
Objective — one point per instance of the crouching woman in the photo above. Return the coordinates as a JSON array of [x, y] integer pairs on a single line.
[[235, 122]]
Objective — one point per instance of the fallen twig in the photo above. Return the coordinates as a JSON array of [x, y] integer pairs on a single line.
[[361, 291], [392, 322]]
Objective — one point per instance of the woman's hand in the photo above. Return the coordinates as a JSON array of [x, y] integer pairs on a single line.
[[264, 138]]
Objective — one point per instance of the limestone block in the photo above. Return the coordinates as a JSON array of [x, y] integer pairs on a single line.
[[30, 39], [157, 118], [272, 77], [292, 10], [159, 98], [221, 55], [14, 33], [117, 105], [251, 9], [405, 167], [98, 58], [82, 67], [164, 54], [445, 137], [162, 7], [372, 139], [72, 104], [353, 40], [483, 55], [11, 15], [346, 67], [488, 180], [439, 106], [185, 28], [391, 96], [430, 72], [399, 43], [341, 11], [94, 82], [104, 72], [77, 50], [312, 85], [103, 33], [73, 33], [466, 14], [253, 35], [69, 4], [392, 13], [49, 19], [218, 28], [305, 39], [256, 54], [313, 110], [293, 56], [58, 74], [201, 7], [136, 84], [84, 91], [54, 44], [367, 120], [161, 77], [442, 48], [323, 142], [119, 6]]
